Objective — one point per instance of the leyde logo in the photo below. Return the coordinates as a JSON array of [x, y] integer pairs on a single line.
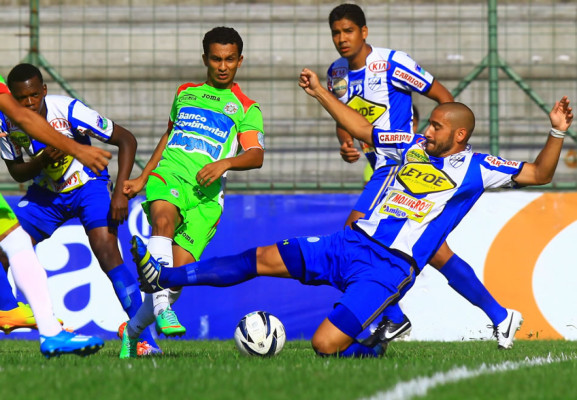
[[401, 205], [371, 111], [420, 178]]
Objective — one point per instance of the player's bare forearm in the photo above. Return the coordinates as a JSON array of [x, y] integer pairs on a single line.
[[119, 205], [353, 122], [250, 159], [127, 145], [541, 171], [439, 93]]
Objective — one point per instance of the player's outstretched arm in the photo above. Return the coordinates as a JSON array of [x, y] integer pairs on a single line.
[[541, 171], [33, 124], [353, 122], [132, 187]]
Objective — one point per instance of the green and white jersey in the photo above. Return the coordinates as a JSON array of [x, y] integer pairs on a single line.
[[206, 124]]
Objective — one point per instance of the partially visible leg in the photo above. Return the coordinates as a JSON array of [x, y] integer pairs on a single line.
[[462, 278], [329, 340]]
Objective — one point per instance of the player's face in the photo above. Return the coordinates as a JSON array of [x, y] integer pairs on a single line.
[[222, 62], [440, 135], [348, 37], [30, 94]]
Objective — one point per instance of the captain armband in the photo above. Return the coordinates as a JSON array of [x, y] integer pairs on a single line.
[[557, 133]]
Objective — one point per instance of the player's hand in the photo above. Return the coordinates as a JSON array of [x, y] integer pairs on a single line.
[[349, 152], [119, 206], [51, 155], [561, 115], [132, 187], [211, 172], [309, 81], [93, 157]]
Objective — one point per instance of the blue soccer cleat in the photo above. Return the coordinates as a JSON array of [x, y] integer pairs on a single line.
[[148, 267], [69, 343]]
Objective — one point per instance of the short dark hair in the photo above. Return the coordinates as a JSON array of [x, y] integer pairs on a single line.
[[222, 35], [23, 72], [352, 12]]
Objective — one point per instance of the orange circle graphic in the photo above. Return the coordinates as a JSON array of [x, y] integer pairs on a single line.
[[514, 254]]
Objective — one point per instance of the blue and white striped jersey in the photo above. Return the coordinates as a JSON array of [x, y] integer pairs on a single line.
[[73, 119], [380, 91], [430, 195]]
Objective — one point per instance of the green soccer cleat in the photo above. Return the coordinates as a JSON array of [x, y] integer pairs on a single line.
[[128, 346], [167, 324]]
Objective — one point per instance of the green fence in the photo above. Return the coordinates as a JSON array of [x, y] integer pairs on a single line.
[[509, 62]]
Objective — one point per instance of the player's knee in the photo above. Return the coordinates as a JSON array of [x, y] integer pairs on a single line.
[[323, 346]]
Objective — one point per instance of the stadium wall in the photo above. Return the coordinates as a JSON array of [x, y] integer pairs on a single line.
[[519, 243]]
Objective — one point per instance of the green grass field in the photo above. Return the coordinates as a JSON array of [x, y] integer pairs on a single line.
[[215, 370]]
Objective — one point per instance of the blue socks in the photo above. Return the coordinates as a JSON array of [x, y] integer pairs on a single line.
[[7, 299], [394, 313], [126, 288], [463, 280], [218, 271]]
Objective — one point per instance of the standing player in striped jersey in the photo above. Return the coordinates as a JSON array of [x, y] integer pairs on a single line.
[[376, 262], [28, 274], [186, 174], [378, 83], [62, 188]]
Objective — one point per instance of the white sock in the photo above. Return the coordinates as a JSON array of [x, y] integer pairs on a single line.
[[160, 247], [31, 279], [143, 317], [173, 295]]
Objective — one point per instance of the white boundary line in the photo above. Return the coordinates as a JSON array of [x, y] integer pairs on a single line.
[[421, 385]]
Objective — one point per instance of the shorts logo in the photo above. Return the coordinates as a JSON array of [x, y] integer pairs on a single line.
[[499, 162], [379, 66], [421, 178], [411, 79], [371, 111], [313, 239], [230, 108], [401, 205], [175, 193]]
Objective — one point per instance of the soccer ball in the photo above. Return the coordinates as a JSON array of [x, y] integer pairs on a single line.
[[259, 334]]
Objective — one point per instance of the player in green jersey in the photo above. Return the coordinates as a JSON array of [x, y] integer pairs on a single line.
[[186, 174]]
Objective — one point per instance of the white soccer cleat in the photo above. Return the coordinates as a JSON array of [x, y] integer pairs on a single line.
[[505, 331]]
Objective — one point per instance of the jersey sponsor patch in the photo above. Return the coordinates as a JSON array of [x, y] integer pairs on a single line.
[[193, 144], [371, 111], [421, 178], [379, 66], [386, 137], [417, 155], [410, 79], [500, 162], [340, 87], [401, 205], [339, 72], [204, 122]]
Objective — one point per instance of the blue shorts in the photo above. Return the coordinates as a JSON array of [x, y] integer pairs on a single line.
[[42, 211], [370, 276], [375, 188]]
